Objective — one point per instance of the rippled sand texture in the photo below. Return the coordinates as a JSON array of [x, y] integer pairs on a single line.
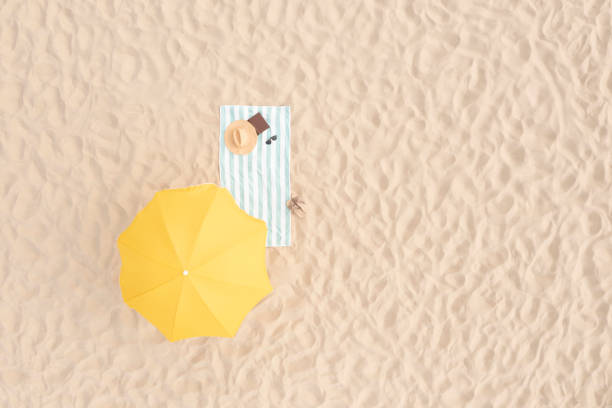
[[457, 165]]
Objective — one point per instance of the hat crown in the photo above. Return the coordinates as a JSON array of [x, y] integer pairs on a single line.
[[240, 137]]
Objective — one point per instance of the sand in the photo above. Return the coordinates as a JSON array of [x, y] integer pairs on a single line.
[[456, 160]]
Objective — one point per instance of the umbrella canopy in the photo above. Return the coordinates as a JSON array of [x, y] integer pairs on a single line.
[[193, 263]]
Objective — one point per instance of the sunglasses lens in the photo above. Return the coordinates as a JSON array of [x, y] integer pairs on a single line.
[[268, 142], [274, 137]]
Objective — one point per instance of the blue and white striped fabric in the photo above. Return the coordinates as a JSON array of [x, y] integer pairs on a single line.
[[259, 181]]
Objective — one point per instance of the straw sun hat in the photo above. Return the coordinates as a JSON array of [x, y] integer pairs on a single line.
[[240, 137]]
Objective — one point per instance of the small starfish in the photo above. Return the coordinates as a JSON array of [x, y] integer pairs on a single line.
[[296, 206]]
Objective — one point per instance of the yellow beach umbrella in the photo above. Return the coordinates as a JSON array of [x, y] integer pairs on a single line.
[[193, 263]]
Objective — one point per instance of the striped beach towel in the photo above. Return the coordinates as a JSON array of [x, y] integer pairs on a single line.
[[259, 181]]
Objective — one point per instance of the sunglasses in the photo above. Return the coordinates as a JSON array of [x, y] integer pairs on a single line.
[[270, 140]]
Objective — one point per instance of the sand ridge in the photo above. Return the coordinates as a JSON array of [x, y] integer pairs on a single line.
[[455, 158]]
